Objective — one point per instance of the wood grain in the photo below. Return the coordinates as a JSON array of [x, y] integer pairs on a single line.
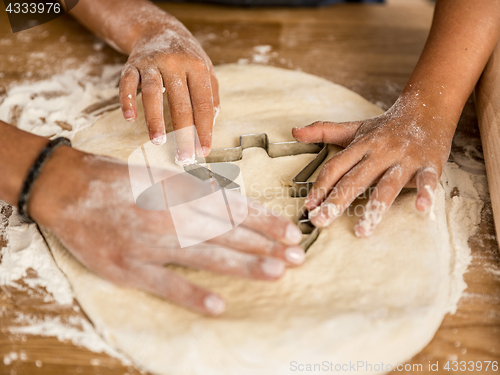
[[370, 49]]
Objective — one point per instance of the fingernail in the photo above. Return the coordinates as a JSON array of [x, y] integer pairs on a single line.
[[295, 255], [214, 304], [182, 159], [325, 214], [273, 267], [310, 202], [424, 203], [159, 139], [293, 234], [129, 115], [359, 230], [314, 212], [205, 150], [372, 217]]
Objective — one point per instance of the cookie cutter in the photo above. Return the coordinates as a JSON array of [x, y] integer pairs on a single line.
[[300, 186]]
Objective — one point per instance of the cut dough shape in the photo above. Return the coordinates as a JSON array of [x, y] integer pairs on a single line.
[[377, 300]]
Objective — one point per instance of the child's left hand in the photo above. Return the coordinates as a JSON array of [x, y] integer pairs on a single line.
[[171, 59], [405, 146]]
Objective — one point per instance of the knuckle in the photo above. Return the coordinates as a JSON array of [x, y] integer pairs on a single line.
[[117, 269], [117, 259], [154, 122], [316, 123], [128, 70], [151, 88], [205, 108], [198, 63], [172, 61], [330, 165], [181, 111], [150, 83], [126, 95]]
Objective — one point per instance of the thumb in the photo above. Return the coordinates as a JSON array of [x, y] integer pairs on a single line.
[[337, 133]]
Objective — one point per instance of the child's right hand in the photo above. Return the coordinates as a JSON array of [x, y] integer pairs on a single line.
[[171, 58]]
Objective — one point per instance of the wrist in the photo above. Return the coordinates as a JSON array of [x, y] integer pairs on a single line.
[[427, 106], [159, 31], [426, 93], [62, 180]]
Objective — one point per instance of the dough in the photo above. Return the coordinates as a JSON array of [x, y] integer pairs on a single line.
[[368, 303]]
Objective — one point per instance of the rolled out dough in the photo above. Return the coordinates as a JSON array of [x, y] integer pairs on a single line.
[[365, 301]]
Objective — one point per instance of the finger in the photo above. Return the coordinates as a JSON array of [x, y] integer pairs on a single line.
[[261, 231], [169, 285], [181, 113], [252, 215], [200, 89], [351, 185], [127, 92], [263, 220], [245, 240], [332, 172], [210, 222], [215, 93], [219, 260], [152, 99], [338, 133], [427, 180], [382, 197]]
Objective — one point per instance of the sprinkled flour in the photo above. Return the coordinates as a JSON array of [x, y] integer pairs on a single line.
[[63, 104]]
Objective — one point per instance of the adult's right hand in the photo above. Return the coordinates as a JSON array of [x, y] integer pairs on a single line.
[[87, 202]]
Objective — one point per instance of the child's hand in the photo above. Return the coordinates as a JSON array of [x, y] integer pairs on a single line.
[[174, 60], [96, 217], [406, 146]]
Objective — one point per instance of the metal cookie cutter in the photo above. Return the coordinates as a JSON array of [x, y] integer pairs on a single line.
[[300, 186]]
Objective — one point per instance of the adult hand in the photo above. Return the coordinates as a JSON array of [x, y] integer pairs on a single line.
[[95, 216], [406, 146], [171, 60]]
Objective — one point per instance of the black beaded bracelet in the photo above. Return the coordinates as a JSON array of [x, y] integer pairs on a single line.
[[34, 172]]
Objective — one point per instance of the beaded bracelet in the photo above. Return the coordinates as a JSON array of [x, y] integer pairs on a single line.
[[34, 172]]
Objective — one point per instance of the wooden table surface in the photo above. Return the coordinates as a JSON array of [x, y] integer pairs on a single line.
[[370, 49]]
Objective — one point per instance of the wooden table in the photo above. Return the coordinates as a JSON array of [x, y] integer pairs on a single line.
[[370, 49]]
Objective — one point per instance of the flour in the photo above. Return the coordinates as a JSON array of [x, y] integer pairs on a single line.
[[76, 329], [63, 104], [261, 55], [463, 212], [14, 356], [432, 194], [27, 250], [371, 218]]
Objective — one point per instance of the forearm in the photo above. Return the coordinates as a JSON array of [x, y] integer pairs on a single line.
[[461, 39], [122, 23], [18, 151]]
